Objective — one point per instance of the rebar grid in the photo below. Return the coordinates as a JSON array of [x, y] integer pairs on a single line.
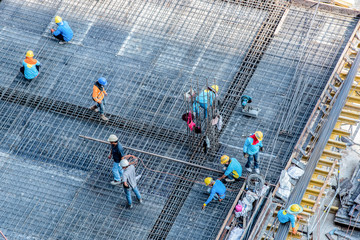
[[56, 186]]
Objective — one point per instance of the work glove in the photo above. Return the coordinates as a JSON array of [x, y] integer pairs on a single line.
[[294, 231], [261, 149], [246, 155], [299, 217], [52, 30]]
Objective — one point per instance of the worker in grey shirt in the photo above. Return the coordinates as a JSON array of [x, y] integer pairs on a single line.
[[129, 180]]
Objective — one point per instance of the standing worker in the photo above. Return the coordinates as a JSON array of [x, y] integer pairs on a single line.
[[289, 215], [205, 98], [233, 169], [251, 150], [63, 32], [31, 66], [117, 153], [217, 189], [129, 179], [98, 96]]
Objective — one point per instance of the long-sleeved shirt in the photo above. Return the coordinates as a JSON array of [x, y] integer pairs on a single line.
[[98, 92], [203, 98], [30, 70], [284, 218], [251, 149], [234, 167], [65, 30], [218, 188]]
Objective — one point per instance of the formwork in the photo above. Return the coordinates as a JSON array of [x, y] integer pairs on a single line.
[[55, 185]]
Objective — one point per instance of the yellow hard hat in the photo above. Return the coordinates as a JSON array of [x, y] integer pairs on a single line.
[[29, 53], [208, 180], [295, 209], [259, 135], [224, 159], [215, 87], [58, 19]]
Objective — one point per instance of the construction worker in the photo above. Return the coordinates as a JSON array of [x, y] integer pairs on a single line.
[[31, 66], [289, 215], [98, 96], [205, 98], [129, 179], [233, 168], [245, 99], [63, 32], [217, 189], [251, 150], [117, 153]]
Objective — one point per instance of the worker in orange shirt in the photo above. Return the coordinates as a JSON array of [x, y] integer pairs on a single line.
[[98, 96]]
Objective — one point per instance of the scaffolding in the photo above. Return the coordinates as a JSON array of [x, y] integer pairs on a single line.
[[55, 185]]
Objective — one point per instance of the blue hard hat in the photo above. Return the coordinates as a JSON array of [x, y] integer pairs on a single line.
[[102, 81]]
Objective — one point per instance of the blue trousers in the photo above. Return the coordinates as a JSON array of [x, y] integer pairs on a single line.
[[101, 106], [128, 194], [256, 158], [117, 171]]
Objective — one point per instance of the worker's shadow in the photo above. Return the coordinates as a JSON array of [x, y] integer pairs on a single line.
[[21, 82]]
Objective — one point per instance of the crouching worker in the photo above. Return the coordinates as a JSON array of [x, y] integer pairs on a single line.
[[233, 169], [63, 32], [31, 66], [290, 215], [129, 180], [217, 190]]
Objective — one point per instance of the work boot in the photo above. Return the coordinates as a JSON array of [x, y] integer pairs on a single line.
[[131, 206], [249, 169], [229, 180], [62, 42], [114, 182], [140, 201], [94, 108], [102, 116], [257, 170]]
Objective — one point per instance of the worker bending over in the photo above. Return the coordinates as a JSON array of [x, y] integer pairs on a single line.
[[129, 179], [63, 32], [251, 150], [205, 99], [217, 190], [98, 96], [245, 99], [233, 169], [31, 66], [289, 215]]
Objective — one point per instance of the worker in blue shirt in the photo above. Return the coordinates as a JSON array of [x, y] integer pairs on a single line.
[[30, 66], [245, 99], [205, 99], [251, 150], [290, 215], [217, 190], [233, 169], [117, 153], [63, 32]]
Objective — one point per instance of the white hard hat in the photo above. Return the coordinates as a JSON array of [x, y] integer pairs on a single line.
[[113, 138], [124, 163]]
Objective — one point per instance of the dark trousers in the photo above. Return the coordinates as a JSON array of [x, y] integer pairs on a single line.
[[22, 70], [60, 37]]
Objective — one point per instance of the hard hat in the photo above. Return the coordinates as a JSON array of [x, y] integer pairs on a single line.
[[29, 53], [58, 19], [215, 87], [224, 159], [208, 180], [124, 163], [113, 138], [259, 135], [102, 81], [295, 209], [238, 208]]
